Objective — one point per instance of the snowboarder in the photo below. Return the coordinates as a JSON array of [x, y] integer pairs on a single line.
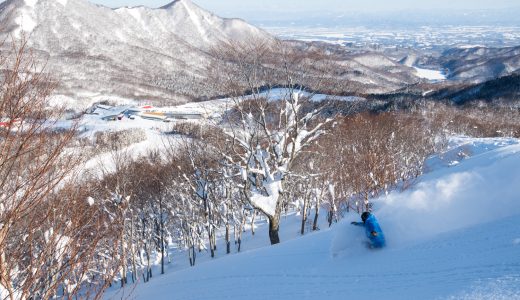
[[372, 230]]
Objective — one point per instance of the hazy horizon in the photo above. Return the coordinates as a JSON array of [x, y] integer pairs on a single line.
[[353, 12], [330, 13], [231, 6]]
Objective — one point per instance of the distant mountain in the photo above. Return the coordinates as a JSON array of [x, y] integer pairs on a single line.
[[502, 90], [161, 55], [364, 69], [137, 53], [478, 64]]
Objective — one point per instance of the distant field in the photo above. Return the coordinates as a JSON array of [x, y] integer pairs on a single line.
[[425, 37]]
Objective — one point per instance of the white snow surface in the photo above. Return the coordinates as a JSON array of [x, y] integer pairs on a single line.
[[30, 3], [433, 75], [453, 235]]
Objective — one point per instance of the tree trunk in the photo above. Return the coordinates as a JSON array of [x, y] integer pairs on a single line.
[[253, 214], [214, 237], [240, 231], [132, 249], [161, 224], [274, 225], [304, 215], [316, 214], [210, 238], [147, 277], [124, 280], [209, 228], [162, 251], [235, 234], [304, 219], [149, 267], [228, 238], [192, 254]]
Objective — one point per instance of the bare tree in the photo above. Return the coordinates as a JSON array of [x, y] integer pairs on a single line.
[[44, 222], [265, 135]]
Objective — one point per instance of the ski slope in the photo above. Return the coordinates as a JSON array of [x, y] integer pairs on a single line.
[[453, 235]]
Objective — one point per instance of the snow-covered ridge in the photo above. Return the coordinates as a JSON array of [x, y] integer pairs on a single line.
[[181, 17], [133, 53], [189, 21]]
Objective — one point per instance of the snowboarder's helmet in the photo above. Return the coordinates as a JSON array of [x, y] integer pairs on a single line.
[[364, 216]]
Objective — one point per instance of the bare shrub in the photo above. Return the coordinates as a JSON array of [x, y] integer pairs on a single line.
[[105, 140], [374, 153], [43, 232]]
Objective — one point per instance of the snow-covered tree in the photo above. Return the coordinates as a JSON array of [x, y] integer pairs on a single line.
[[267, 131]]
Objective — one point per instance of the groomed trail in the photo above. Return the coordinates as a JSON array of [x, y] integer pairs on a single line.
[[454, 235]]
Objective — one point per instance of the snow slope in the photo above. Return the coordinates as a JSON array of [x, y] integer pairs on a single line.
[[432, 75], [454, 235]]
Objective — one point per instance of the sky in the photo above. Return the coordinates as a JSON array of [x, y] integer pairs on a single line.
[[329, 13], [312, 12], [235, 7]]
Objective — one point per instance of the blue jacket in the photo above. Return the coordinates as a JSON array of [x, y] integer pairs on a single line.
[[374, 232]]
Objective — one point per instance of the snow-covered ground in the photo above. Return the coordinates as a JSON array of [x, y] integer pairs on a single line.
[[210, 111], [433, 75], [219, 105], [92, 123], [453, 235]]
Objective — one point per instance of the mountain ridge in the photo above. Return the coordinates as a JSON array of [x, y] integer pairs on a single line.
[[133, 53]]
